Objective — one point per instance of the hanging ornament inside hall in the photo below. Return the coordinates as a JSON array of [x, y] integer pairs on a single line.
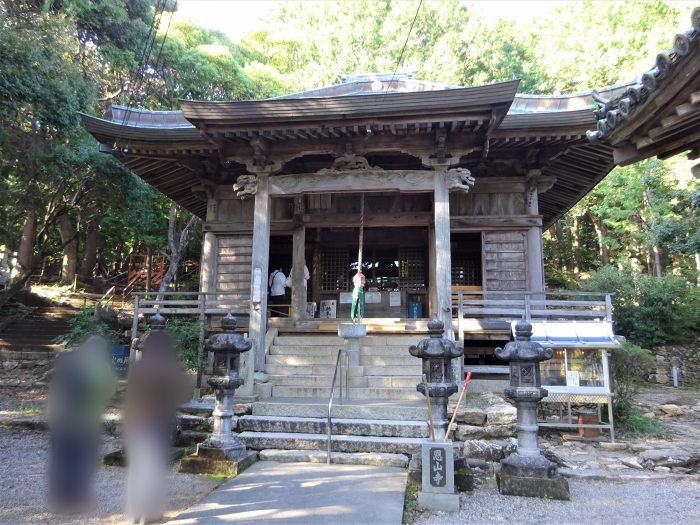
[[357, 309]]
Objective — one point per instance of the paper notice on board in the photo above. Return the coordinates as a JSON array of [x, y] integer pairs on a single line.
[[345, 298], [394, 298], [373, 297], [572, 378]]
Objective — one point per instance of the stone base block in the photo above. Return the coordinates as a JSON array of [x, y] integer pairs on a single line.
[[204, 465], [436, 501], [548, 488], [464, 479]]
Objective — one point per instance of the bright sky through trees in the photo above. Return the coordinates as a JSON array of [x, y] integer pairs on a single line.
[[238, 17]]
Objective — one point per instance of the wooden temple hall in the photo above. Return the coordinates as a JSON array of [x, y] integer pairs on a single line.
[[452, 187]]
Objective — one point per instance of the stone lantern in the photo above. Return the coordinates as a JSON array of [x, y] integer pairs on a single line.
[[223, 452], [437, 354], [527, 472]]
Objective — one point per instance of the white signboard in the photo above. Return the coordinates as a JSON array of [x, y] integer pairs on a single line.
[[373, 297], [345, 298], [394, 298], [572, 378], [327, 310]]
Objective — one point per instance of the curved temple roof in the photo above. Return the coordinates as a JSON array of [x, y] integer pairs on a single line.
[[659, 114]]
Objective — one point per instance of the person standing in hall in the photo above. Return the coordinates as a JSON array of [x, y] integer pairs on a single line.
[[276, 283]]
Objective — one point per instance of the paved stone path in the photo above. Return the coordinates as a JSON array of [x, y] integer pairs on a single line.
[[303, 493]]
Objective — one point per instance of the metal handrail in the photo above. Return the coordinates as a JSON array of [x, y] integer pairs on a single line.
[[338, 363]]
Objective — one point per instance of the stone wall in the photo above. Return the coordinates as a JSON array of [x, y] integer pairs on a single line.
[[686, 357]]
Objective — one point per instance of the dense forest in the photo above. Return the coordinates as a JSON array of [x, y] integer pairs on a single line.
[[69, 209]]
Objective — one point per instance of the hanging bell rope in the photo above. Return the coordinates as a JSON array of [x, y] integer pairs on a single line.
[[362, 231], [357, 309]]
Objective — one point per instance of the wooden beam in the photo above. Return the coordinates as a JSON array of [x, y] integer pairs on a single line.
[[489, 222], [328, 220], [352, 181]]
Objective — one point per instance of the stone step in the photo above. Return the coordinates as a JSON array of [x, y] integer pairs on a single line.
[[415, 411], [377, 459], [348, 427], [10, 355], [394, 370], [329, 340], [389, 360], [339, 443], [328, 359], [315, 380], [355, 393], [333, 350], [308, 340], [393, 381]]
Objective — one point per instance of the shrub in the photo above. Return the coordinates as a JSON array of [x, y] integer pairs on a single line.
[[630, 367], [649, 311], [83, 324], [186, 334]]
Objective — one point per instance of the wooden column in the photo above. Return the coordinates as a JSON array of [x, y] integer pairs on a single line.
[[259, 274], [443, 258], [535, 262], [298, 262], [207, 273], [432, 287]]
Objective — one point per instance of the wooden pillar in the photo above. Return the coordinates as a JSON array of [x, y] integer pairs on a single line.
[[443, 258], [535, 262], [259, 273], [207, 273], [298, 262], [432, 285]]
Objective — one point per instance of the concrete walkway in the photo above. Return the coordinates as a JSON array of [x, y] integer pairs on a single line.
[[304, 493]]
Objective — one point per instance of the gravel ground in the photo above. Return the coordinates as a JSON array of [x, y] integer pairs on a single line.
[[23, 464], [633, 503]]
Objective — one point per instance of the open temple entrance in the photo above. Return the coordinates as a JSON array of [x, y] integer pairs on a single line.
[[395, 264]]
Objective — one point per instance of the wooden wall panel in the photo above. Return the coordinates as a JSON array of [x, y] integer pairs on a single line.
[[505, 266], [487, 204], [233, 268]]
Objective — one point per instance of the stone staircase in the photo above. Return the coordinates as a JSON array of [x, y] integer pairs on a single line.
[[33, 336], [384, 416], [301, 366], [371, 427]]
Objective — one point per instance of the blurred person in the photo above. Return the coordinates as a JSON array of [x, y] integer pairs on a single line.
[[156, 387], [82, 385], [276, 284]]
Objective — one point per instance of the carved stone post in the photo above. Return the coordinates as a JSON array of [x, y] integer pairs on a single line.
[[437, 354], [527, 472], [223, 452], [156, 323]]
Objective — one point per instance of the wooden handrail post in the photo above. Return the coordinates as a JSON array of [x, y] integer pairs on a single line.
[[460, 331], [134, 328], [608, 308], [200, 345], [527, 307]]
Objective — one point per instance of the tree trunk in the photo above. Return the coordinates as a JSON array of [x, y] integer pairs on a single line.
[[87, 266], [601, 231], [658, 269], [176, 249], [697, 269], [25, 254], [575, 246], [559, 246], [69, 265]]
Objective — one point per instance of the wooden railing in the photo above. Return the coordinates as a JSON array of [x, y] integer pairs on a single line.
[[188, 303], [551, 305]]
